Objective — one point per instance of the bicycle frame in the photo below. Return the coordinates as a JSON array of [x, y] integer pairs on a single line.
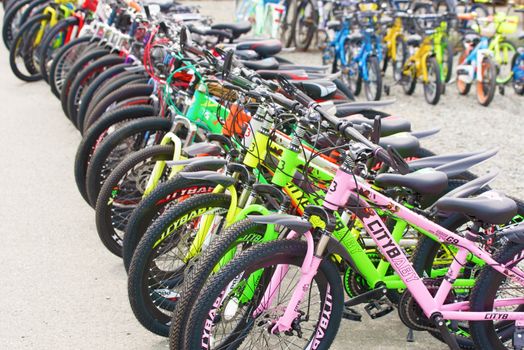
[[418, 59], [345, 187], [390, 39], [476, 55]]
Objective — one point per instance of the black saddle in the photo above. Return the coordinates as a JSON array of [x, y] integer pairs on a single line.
[[355, 37], [248, 55], [267, 63], [265, 48], [317, 90], [237, 29], [425, 181], [405, 144], [490, 207], [414, 40], [288, 74], [472, 38], [389, 125]]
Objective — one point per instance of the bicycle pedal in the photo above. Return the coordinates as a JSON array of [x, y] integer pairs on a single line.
[[404, 80], [378, 308], [518, 338], [387, 89], [351, 314], [502, 90]]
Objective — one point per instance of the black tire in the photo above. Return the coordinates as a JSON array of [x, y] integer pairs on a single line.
[[84, 78], [93, 87], [487, 87], [410, 81], [96, 134], [243, 231], [9, 25], [433, 88], [112, 85], [155, 203], [373, 94], [63, 61], [304, 29], [76, 68], [263, 256], [518, 86], [133, 136], [47, 50], [462, 87], [287, 33], [400, 59], [169, 238], [125, 185], [22, 47], [488, 334], [447, 65], [124, 93]]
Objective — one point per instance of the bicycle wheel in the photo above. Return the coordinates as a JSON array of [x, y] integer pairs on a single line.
[[221, 318], [400, 59], [238, 236], [22, 48], [447, 63], [373, 86], [109, 123], [351, 74], [160, 260], [63, 61], [463, 87], [489, 286], [94, 86], [503, 59], [124, 93], [305, 24], [122, 191], [409, 80], [518, 64], [433, 86], [286, 28], [49, 47], [83, 61], [11, 21], [84, 78], [486, 88]]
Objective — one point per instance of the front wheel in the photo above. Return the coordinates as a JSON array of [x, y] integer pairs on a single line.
[[503, 59], [373, 85], [305, 24], [401, 56], [433, 84], [492, 285], [463, 87], [225, 313], [487, 85], [409, 79]]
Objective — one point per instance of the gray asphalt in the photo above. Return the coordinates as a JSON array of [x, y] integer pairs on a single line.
[[61, 289]]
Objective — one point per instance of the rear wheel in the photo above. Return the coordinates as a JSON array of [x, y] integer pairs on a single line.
[[503, 60], [433, 85], [486, 88], [463, 87], [305, 24], [351, 73], [373, 86], [401, 55], [286, 27]]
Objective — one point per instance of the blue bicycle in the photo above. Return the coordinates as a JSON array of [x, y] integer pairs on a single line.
[[363, 52], [518, 70]]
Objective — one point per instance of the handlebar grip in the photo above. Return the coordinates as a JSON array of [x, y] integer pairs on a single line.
[[382, 156], [284, 101]]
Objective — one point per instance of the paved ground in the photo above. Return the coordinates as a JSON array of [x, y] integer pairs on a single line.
[[62, 290]]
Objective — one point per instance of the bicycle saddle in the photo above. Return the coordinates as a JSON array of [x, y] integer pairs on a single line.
[[471, 38], [346, 109], [237, 29], [298, 74], [265, 48], [424, 181], [389, 125], [405, 144], [490, 207], [317, 90], [355, 37], [269, 63], [414, 40], [248, 55]]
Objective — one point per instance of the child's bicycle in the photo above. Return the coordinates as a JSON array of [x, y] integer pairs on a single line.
[[422, 63], [497, 27], [476, 64]]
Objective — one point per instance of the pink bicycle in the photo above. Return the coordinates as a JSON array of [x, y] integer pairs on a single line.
[[288, 293]]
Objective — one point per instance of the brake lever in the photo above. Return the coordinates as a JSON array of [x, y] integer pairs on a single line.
[[400, 164]]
